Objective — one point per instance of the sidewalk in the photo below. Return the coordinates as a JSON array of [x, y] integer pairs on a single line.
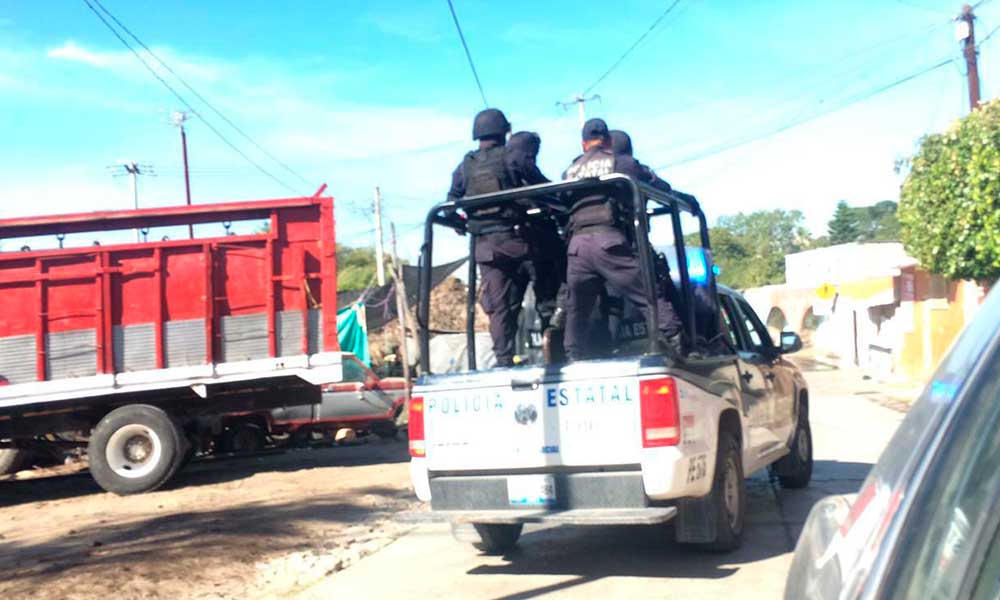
[[897, 395]]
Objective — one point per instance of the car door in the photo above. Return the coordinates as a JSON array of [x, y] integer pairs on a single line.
[[753, 386], [778, 382]]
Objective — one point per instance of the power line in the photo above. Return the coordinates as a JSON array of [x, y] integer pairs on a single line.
[[725, 147], [183, 101], [468, 54], [622, 58], [199, 96]]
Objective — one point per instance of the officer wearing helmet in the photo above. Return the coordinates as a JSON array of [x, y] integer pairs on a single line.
[[621, 143], [600, 253], [503, 248]]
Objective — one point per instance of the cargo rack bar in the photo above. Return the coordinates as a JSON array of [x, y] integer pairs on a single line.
[[665, 203]]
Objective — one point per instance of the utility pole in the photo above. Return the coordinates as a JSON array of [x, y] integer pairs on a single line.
[[178, 118], [580, 102], [132, 168], [403, 309], [967, 35], [379, 253]]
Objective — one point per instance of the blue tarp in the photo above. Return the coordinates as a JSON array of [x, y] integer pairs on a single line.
[[351, 332]]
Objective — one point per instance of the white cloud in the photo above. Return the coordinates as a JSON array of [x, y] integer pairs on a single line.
[[72, 52]]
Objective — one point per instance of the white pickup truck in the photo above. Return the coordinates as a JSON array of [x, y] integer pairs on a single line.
[[631, 438]]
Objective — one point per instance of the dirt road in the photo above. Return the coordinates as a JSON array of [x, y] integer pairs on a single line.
[[249, 528]]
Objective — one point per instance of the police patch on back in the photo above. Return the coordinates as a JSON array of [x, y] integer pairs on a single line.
[[592, 164]]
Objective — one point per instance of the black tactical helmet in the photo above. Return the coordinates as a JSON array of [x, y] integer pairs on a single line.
[[621, 143], [490, 123], [528, 141]]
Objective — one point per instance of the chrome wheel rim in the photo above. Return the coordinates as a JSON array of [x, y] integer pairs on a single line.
[[133, 451]]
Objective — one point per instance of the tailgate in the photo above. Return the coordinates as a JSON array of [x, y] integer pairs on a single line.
[[585, 414]]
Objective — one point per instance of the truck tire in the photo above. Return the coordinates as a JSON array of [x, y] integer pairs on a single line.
[[13, 460], [496, 538], [794, 471], [135, 449], [728, 496]]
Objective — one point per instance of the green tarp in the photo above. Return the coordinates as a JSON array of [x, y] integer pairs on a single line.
[[352, 333]]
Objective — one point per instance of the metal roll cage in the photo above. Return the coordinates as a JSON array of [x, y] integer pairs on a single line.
[[665, 203]]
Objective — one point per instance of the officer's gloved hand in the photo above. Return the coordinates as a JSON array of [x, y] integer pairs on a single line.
[[455, 221]]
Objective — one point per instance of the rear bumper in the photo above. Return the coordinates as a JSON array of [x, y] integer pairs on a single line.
[[574, 491], [580, 516]]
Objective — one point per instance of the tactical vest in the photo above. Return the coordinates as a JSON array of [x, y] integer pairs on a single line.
[[485, 172], [597, 209]]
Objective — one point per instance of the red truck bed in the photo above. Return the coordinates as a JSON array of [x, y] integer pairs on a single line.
[[146, 307]]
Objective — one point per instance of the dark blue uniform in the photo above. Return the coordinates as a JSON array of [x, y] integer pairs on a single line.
[[511, 248], [600, 252]]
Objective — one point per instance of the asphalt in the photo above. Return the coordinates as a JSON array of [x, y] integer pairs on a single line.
[[849, 429]]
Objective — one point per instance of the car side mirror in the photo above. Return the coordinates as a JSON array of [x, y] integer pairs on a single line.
[[790, 342]]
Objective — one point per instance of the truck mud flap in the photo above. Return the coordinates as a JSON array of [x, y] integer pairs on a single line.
[[697, 520]]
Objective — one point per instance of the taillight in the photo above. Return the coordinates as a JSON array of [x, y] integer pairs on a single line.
[[417, 445], [659, 412]]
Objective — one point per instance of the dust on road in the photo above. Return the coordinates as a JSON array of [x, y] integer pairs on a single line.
[[237, 528]]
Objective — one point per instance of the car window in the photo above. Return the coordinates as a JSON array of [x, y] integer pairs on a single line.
[[957, 501], [354, 371], [729, 323], [758, 339]]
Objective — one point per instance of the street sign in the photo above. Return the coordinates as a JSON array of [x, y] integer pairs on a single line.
[[826, 291]]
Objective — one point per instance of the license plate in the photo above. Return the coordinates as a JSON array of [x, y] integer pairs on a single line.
[[531, 490]]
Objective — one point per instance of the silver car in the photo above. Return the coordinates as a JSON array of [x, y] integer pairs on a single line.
[[926, 522]]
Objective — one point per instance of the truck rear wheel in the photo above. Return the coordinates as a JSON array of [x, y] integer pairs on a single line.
[[728, 496], [13, 460], [135, 449], [497, 538]]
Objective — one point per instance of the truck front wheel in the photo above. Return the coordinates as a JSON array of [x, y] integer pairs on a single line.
[[135, 449], [497, 538], [794, 471]]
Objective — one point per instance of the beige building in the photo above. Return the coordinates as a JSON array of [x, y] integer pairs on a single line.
[[870, 305]]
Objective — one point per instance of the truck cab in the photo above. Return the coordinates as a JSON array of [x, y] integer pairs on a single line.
[[631, 436]]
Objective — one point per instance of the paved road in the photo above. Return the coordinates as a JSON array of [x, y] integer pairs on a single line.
[[600, 562]]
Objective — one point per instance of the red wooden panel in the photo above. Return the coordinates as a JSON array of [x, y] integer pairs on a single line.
[[184, 283], [292, 267], [241, 279]]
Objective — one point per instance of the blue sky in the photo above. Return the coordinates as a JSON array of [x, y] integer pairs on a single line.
[[354, 94]]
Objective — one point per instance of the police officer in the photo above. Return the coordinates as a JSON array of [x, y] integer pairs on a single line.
[[599, 250], [547, 264], [621, 143], [502, 248]]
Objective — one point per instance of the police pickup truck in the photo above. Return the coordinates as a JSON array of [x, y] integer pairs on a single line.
[[633, 437]]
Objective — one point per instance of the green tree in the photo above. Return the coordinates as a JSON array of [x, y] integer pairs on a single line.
[[950, 202], [750, 248], [843, 228], [878, 223], [355, 267]]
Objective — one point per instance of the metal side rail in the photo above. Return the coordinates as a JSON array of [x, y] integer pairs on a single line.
[[317, 369]]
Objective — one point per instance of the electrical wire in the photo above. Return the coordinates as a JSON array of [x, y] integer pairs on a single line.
[[725, 147], [635, 44], [185, 102], [468, 55], [199, 96]]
